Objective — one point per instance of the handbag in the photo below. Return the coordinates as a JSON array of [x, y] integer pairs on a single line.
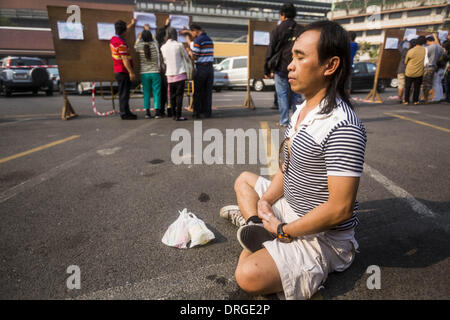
[[274, 61], [162, 65], [187, 63]]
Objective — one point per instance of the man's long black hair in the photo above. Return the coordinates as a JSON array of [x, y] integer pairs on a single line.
[[334, 41]]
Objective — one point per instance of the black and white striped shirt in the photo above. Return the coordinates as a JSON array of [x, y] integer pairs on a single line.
[[325, 145]]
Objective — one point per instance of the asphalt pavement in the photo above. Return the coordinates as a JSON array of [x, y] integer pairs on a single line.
[[99, 193]]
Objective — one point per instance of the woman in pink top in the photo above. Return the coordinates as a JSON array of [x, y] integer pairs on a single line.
[[175, 56]]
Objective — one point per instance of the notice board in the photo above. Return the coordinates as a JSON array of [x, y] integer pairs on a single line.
[[257, 52], [90, 59]]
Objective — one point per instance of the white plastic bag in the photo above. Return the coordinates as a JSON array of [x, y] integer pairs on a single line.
[[177, 235], [187, 231], [198, 231]]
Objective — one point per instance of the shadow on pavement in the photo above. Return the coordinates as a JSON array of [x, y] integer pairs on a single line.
[[412, 243]]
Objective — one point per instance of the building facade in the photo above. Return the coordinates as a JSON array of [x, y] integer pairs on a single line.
[[370, 18]]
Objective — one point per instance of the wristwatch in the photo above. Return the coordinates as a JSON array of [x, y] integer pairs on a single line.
[[281, 235]]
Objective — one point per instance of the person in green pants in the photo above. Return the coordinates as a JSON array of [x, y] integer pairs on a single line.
[[149, 56]]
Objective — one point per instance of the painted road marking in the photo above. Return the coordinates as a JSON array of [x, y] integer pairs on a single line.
[[29, 115], [418, 122], [46, 146], [406, 111], [108, 151], [12, 192], [416, 205], [437, 117], [16, 121]]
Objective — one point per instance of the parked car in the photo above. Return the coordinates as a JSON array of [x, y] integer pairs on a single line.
[[86, 87], [24, 74], [220, 80], [54, 76], [363, 75], [236, 68]]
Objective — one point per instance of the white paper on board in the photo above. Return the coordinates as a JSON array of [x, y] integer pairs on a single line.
[[181, 38], [442, 35], [261, 38], [391, 43], [179, 23], [105, 30], [70, 30], [410, 34], [143, 18]]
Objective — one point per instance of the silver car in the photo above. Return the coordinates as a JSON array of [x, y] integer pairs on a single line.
[[236, 68], [220, 80], [24, 74]]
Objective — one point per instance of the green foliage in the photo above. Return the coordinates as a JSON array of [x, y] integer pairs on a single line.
[[367, 48]]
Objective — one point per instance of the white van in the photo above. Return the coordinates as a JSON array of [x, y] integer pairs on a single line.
[[236, 68]]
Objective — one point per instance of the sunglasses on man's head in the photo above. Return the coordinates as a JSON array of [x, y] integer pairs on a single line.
[[283, 161]]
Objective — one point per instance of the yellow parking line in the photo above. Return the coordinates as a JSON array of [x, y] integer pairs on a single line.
[[418, 122], [49, 145], [29, 115]]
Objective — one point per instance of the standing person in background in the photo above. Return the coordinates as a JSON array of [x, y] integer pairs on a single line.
[[174, 53], [278, 57], [434, 52], [123, 67], [414, 61], [353, 49], [190, 46], [446, 46], [203, 55], [438, 91], [403, 47], [150, 63], [161, 37], [275, 101]]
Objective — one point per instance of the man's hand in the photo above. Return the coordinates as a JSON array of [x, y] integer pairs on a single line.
[[132, 76], [264, 208], [268, 76], [131, 24], [167, 22], [265, 212]]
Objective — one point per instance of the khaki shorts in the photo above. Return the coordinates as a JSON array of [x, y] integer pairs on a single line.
[[401, 80], [304, 264]]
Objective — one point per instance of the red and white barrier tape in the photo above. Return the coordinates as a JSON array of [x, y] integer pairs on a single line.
[[370, 101], [102, 114], [107, 113], [31, 67]]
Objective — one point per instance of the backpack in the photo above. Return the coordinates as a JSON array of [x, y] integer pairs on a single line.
[[275, 60]]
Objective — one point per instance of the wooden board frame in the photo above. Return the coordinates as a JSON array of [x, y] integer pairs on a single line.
[[256, 57], [388, 60], [90, 59]]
